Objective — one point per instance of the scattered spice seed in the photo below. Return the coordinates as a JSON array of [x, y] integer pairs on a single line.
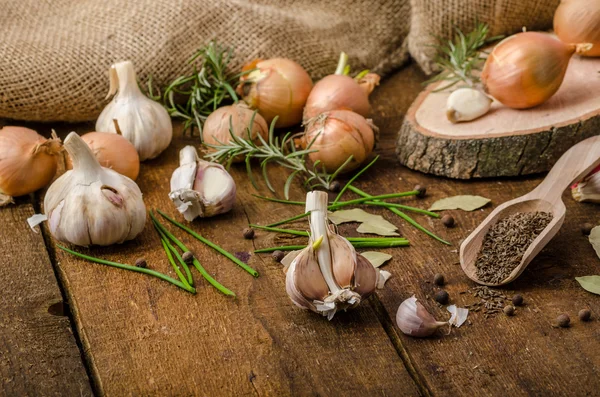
[[441, 297], [438, 279], [141, 262], [248, 233], [509, 310], [278, 255], [563, 320], [585, 314], [187, 257], [586, 229], [506, 242], [422, 191], [335, 186], [517, 300], [448, 220]]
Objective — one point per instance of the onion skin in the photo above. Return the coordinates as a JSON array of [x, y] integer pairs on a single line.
[[27, 160], [341, 133], [112, 151], [216, 126], [336, 92], [279, 87], [526, 69], [578, 21]]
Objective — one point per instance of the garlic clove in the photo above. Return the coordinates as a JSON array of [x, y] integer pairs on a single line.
[[413, 319], [466, 104], [366, 277], [308, 279], [343, 260], [297, 298]]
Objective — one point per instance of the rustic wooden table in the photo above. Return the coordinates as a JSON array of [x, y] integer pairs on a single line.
[[128, 334]]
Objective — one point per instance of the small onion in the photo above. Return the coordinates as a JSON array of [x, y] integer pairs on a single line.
[[27, 161], [526, 69], [216, 126], [338, 91], [278, 87], [337, 135], [112, 151], [578, 21]]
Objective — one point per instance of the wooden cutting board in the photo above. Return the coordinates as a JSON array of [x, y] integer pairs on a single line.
[[504, 142]]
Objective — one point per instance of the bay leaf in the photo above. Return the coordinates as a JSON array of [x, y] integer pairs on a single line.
[[464, 202], [370, 223], [590, 283], [594, 239], [376, 258], [377, 228]]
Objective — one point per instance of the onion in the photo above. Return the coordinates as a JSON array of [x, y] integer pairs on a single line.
[[278, 87], [112, 151], [27, 161], [578, 21], [341, 133], [216, 126], [526, 69]]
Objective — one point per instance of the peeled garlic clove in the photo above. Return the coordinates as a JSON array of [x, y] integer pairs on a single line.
[[93, 205], [343, 260], [588, 189], [467, 104], [200, 188], [308, 278], [414, 320], [366, 277], [142, 121]]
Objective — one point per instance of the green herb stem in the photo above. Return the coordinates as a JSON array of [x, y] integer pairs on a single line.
[[282, 201], [130, 268], [306, 234], [358, 244], [172, 262], [359, 173], [180, 260], [404, 207], [210, 244], [288, 220]]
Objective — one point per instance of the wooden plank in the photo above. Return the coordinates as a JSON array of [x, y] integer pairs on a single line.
[[144, 336], [520, 355], [38, 353]]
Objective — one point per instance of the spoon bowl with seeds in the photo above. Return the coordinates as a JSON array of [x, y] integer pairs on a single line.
[[503, 245]]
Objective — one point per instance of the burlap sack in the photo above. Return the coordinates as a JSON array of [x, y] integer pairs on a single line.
[[55, 55], [437, 18]]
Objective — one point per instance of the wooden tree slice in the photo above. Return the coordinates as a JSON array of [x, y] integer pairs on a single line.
[[504, 142]]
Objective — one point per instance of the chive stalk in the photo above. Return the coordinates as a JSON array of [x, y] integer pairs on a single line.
[[358, 244], [359, 173]]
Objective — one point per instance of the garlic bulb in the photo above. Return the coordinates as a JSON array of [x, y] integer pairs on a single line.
[[200, 188], [467, 104], [91, 204], [142, 121], [328, 275], [414, 320], [588, 189]]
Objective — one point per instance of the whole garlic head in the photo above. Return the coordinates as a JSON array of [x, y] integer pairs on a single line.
[[201, 188], [144, 122], [328, 275], [93, 205]]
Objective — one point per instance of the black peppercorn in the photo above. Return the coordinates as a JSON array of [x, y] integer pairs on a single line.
[[248, 233], [441, 297], [586, 229], [585, 314], [141, 262], [187, 257], [422, 191], [509, 310], [438, 279], [563, 320], [335, 186], [448, 220], [278, 255], [517, 300]]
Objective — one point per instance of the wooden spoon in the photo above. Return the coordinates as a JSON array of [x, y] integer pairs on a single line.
[[575, 164]]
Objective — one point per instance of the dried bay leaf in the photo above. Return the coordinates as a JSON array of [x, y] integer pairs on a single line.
[[374, 228], [465, 203], [590, 283], [594, 239], [370, 223], [376, 258]]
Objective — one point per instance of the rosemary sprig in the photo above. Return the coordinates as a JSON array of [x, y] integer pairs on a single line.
[[208, 86], [460, 57]]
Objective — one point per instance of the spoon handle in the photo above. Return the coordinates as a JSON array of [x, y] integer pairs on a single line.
[[571, 167]]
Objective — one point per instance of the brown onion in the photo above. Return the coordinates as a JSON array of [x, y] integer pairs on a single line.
[[578, 21], [337, 135], [112, 151], [279, 87], [526, 69], [216, 126]]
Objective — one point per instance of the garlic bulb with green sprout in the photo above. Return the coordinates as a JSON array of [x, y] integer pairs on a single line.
[[328, 275], [142, 121], [200, 188], [589, 188], [93, 205]]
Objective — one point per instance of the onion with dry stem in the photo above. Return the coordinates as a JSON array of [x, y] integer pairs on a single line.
[[278, 87], [578, 21], [526, 69], [27, 161], [112, 151], [337, 135]]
